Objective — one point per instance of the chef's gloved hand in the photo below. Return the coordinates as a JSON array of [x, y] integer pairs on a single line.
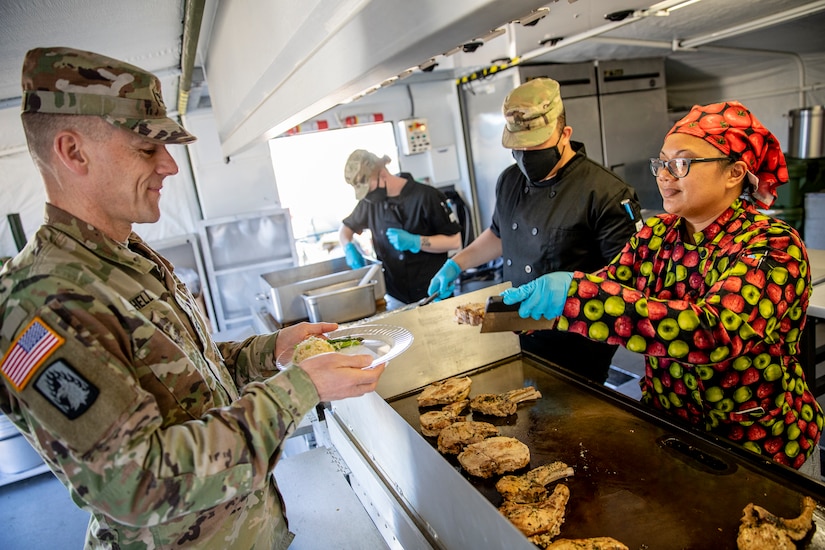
[[544, 296], [354, 258], [403, 241], [443, 281]]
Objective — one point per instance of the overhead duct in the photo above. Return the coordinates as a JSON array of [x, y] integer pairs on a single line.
[[191, 32]]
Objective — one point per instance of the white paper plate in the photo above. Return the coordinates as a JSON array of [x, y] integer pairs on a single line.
[[383, 342]]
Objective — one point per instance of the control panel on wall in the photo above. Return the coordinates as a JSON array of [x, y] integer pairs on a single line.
[[415, 135]]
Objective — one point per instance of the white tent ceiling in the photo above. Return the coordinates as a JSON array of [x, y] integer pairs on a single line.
[[149, 33]]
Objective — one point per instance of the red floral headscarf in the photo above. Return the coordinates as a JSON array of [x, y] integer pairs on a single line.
[[731, 128]]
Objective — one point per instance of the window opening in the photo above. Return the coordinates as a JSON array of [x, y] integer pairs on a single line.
[[309, 173]]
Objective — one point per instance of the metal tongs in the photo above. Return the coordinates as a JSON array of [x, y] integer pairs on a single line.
[[428, 299]]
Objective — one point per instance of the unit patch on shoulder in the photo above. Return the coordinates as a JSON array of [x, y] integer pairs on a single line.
[[66, 389], [28, 352]]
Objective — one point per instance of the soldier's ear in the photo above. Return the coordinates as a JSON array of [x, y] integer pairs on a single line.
[[68, 149]]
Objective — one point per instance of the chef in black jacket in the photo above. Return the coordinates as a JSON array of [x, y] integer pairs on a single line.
[[555, 210], [412, 226]]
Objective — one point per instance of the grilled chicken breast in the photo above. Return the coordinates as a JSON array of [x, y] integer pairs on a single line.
[[455, 437], [495, 455], [530, 487], [595, 543], [761, 530], [444, 392], [544, 517], [503, 404], [432, 422]]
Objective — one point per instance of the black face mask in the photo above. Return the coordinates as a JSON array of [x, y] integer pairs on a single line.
[[535, 165], [379, 194]]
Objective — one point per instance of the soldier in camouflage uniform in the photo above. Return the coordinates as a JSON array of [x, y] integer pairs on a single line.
[[166, 437]]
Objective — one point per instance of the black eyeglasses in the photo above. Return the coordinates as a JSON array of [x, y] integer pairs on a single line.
[[678, 168]]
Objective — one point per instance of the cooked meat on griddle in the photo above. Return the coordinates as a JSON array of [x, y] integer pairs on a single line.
[[761, 530], [445, 391], [503, 404], [531, 487], [455, 437], [470, 314], [495, 455], [432, 422], [595, 543], [544, 517]]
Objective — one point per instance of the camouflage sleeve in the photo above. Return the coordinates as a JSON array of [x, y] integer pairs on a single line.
[[250, 360], [137, 428]]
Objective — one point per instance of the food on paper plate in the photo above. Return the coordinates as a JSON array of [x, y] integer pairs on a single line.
[[470, 314], [455, 437], [503, 404], [432, 422], [531, 487], [444, 392], [315, 345], [760, 529], [495, 455], [538, 518]]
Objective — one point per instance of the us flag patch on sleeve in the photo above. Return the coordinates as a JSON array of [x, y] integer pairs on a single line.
[[28, 353]]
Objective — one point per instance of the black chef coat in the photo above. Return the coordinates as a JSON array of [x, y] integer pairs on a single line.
[[419, 209], [575, 221]]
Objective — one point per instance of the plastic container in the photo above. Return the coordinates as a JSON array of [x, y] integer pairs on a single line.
[[341, 302]]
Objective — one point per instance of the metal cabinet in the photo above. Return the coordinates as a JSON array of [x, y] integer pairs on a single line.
[[237, 251]]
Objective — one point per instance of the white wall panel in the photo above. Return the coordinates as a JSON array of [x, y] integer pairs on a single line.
[[245, 184]]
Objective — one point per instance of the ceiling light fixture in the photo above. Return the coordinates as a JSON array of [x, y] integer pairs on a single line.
[[668, 11], [492, 34], [756, 24], [428, 65], [534, 17]]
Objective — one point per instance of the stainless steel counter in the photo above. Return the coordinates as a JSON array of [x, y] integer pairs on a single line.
[[639, 478]]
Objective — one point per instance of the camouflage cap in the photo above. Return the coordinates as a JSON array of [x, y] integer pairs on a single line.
[[75, 82], [531, 112], [361, 165]]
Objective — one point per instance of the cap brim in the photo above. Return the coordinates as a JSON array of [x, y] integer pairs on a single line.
[[530, 138], [158, 130]]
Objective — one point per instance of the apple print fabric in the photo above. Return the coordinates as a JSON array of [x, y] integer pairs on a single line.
[[719, 324], [737, 133]]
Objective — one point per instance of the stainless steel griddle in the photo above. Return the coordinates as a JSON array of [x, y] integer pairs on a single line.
[[639, 478]]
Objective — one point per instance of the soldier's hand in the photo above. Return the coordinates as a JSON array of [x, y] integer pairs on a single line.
[[293, 335], [338, 376]]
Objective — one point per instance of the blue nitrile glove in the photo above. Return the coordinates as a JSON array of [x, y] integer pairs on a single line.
[[543, 296], [354, 258], [403, 241], [443, 282]]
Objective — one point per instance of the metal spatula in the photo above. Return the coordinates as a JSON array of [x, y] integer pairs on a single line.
[[499, 317]]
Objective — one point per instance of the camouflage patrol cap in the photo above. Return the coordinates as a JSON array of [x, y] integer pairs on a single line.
[[361, 165], [75, 82], [531, 112]]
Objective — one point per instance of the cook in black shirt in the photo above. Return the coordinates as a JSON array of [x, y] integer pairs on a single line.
[[412, 226]]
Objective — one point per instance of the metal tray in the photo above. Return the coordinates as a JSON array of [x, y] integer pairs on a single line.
[[282, 291], [341, 302]]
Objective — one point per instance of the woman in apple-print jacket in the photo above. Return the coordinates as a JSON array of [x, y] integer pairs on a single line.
[[713, 293]]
